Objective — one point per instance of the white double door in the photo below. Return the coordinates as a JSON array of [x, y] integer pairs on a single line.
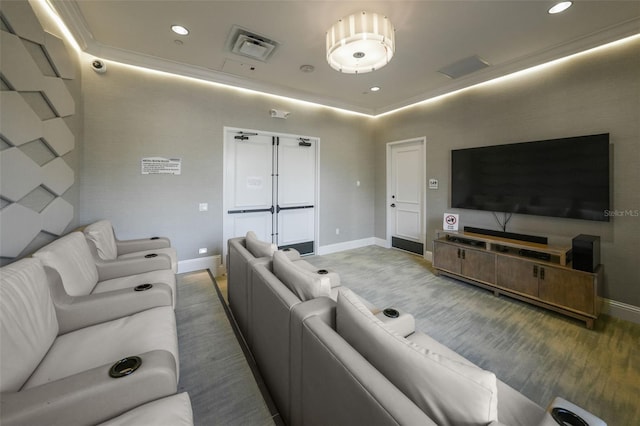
[[270, 188]]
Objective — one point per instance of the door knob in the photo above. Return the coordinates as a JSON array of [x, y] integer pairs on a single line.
[[393, 204]]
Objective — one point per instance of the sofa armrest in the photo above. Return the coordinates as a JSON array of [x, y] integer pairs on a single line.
[[92, 396], [83, 311], [142, 244], [111, 269], [566, 410], [404, 324], [292, 253]]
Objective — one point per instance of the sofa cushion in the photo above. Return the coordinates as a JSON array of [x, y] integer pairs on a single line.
[[257, 247], [28, 323], [71, 257], [305, 284], [101, 234], [108, 342], [448, 391]]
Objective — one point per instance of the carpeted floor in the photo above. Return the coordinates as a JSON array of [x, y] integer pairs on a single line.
[[540, 353], [213, 368]]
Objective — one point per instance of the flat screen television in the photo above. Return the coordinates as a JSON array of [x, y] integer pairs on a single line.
[[566, 177]]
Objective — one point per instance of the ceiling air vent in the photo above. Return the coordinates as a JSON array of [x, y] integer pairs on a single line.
[[252, 45], [464, 67]]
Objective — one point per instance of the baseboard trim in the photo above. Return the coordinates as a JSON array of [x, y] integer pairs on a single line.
[[212, 263], [347, 245], [621, 310]]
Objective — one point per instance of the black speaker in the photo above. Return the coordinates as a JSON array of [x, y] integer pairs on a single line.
[[586, 252]]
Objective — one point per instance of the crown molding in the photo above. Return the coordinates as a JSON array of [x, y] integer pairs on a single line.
[[70, 13]]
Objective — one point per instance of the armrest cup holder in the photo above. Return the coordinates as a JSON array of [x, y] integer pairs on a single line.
[[150, 255], [154, 238], [391, 313], [143, 287], [125, 367], [564, 417], [322, 272]]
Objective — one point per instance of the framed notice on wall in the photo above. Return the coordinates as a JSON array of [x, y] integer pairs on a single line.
[[450, 222], [160, 166]]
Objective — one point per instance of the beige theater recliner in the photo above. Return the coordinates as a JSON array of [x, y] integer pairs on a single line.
[[102, 238], [82, 275], [47, 377]]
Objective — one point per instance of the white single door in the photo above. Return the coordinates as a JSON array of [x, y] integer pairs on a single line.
[[296, 192], [249, 185], [405, 193]]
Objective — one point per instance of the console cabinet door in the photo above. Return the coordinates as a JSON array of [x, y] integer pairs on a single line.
[[479, 265], [567, 288], [446, 257], [518, 275]]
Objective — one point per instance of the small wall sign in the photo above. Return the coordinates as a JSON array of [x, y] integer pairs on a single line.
[[450, 222], [161, 166]]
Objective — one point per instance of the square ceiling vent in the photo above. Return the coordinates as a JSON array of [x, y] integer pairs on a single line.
[[464, 67], [251, 45]]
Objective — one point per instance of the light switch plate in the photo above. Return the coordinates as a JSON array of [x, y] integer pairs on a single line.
[[433, 183]]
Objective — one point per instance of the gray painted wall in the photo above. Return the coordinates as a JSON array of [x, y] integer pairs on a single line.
[[130, 114], [594, 93]]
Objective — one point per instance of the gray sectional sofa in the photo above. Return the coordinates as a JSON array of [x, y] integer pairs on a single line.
[[73, 354], [329, 357]]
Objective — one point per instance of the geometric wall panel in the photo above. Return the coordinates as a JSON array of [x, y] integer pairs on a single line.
[[33, 135], [56, 216], [19, 69], [58, 96], [58, 56], [19, 174], [58, 136], [19, 226], [57, 176], [18, 123], [22, 20]]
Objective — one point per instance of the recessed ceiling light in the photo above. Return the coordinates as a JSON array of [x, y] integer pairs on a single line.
[[374, 88], [560, 7], [179, 29]]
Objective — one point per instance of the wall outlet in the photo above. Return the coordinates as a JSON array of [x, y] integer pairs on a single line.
[[203, 207], [202, 250], [433, 183], [337, 231]]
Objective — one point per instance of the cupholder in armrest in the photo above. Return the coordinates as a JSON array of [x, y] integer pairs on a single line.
[[564, 417], [125, 366], [286, 249], [154, 238], [150, 255], [391, 313], [323, 271], [143, 287]]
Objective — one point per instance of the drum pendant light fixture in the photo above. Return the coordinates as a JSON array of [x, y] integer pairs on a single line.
[[360, 43]]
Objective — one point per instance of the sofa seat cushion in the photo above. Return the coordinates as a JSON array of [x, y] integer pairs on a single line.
[[169, 251], [448, 391], [106, 343], [101, 234], [257, 247], [71, 257], [160, 276], [303, 283], [173, 410], [28, 323]]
